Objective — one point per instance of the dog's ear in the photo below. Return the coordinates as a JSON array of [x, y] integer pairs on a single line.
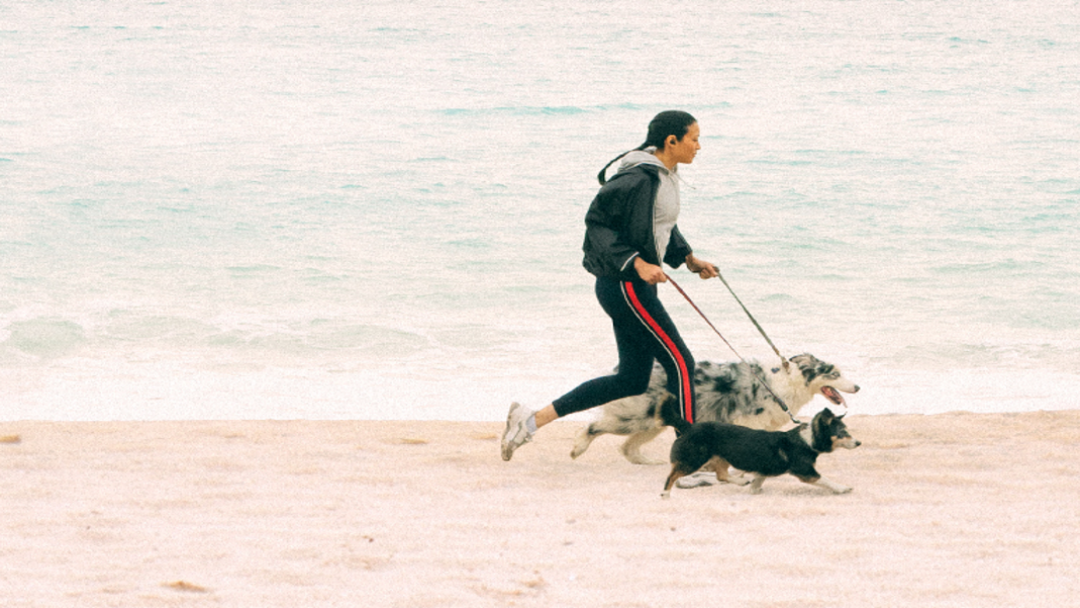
[[827, 414]]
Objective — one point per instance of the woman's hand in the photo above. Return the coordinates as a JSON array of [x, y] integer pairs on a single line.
[[650, 273], [703, 269]]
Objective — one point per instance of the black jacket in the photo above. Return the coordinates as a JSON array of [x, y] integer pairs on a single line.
[[619, 226]]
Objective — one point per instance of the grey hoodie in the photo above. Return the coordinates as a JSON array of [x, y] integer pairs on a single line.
[[666, 209]]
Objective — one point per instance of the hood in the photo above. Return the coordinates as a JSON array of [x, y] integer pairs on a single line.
[[641, 157]]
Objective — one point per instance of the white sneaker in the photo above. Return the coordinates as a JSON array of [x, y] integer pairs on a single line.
[[696, 480], [517, 431]]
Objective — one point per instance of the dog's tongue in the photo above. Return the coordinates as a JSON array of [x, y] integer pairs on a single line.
[[833, 395]]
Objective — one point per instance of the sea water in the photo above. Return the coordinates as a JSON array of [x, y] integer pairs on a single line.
[[374, 210]]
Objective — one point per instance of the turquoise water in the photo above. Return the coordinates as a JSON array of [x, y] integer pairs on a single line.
[[319, 210]]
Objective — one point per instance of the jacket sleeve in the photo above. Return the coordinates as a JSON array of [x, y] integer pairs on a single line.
[[604, 225], [677, 249]]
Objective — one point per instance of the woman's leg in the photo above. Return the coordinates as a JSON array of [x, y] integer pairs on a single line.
[[643, 333], [666, 344], [631, 377], [636, 354]]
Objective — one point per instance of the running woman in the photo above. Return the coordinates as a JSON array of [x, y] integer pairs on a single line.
[[630, 229]]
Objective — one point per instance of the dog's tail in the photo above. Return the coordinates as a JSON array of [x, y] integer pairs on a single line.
[[669, 413]]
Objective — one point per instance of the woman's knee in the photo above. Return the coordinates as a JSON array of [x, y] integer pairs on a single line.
[[679, 367], [635, 384], [638, 386]]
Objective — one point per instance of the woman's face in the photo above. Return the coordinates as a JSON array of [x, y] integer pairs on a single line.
[[684, 150]]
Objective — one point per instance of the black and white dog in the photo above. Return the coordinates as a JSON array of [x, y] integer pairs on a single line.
[[725, 392], [763, 453]]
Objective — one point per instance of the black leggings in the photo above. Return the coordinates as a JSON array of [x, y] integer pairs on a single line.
[[644, 333]]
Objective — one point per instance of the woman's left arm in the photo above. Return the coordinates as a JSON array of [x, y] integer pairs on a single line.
[[679, 251], [705, 270]]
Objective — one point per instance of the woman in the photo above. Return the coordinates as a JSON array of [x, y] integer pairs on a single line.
[[630, 229]]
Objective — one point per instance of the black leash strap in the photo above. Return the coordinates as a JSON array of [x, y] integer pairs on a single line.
[[764, 383]]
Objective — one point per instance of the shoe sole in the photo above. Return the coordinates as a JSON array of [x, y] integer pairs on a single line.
[[507, 449]]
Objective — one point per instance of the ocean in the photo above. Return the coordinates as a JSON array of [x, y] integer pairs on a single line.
[[338, 210]]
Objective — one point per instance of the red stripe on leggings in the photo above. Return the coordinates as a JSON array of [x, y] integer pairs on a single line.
[[688, 413]]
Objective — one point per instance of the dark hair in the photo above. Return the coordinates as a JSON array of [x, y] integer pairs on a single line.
[[670, 122]]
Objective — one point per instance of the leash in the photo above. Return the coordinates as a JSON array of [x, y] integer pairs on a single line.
[[783, 360], [764, 383]]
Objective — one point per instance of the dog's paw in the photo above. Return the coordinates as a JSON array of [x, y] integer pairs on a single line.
[[634, 455], [643, 459], [583, 442], [842, 490]]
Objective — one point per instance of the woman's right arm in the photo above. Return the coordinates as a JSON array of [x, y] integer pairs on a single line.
[[650, 273]]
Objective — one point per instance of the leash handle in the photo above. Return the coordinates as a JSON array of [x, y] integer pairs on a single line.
[[783, 360], [783, 405]]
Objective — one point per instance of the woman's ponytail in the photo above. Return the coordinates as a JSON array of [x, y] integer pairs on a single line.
[[602, 176], [670, 122]]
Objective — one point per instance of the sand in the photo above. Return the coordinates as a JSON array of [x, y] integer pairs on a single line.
[[948, 510]]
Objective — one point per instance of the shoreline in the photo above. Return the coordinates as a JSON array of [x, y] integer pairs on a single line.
[[947, 509]]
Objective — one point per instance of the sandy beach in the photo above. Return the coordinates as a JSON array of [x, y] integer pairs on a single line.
[[948, 510]]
